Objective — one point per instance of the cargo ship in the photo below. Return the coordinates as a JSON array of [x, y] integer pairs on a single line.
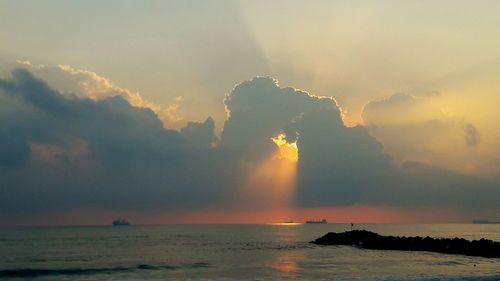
[[120, 222], [322, 221]]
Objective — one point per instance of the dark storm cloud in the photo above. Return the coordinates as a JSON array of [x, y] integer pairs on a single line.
[[331, 156], [112, 126], [425, 185], [200, 134], [340, 165], [59, 152], [259, 110]]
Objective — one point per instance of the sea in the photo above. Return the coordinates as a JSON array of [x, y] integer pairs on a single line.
[[232, 252]]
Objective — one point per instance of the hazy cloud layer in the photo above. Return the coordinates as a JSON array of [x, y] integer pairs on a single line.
[[61, 150], [426, 129]]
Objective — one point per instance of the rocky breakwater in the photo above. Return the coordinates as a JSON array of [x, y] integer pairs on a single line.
[[371, 240]]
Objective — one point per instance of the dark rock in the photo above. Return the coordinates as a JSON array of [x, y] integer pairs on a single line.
[[371, 240]]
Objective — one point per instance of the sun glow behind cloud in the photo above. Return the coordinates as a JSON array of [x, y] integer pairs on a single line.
[[287, 150], [271, 184]]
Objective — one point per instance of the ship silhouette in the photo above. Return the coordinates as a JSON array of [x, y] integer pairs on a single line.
[[322, 221], [120, 222]]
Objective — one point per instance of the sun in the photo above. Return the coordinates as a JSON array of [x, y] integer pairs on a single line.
[[287, 150]]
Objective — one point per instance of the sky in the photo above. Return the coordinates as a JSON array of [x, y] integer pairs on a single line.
[[249, 111]]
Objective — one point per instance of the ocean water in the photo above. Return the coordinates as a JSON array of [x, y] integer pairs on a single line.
[[231, 252]]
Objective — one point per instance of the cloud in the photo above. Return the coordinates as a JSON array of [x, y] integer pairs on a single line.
[[61, 151], [409, 109], [87, 84], [259, 110], [341, 165], [200, 134], [424, 128], [428, 185], [331, 159], [471, 135]]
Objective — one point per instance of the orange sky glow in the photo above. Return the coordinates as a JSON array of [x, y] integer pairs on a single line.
[[351, 214]]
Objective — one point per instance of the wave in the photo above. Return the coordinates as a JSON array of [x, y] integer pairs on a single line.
[[33, 273], [37, 272]]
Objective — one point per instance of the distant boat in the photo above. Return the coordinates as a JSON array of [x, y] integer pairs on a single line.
[[485, 222], [323, 221], [120, 222]]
